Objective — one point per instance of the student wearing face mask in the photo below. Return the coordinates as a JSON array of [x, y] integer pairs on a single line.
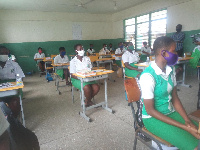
[[8, 68], [41, 63], [162, 113], [146, 51], [61, 59], [119, 52], [130, 58], [11, 57], [91, 50], [104, 50], [78, 64]]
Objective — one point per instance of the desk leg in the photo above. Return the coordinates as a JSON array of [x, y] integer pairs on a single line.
[[106, 99], [183, 80], [22, 111], [83, 104]]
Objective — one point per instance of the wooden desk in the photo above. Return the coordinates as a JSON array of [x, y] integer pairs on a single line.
[[196, 117], [9, 91], [98, 76]]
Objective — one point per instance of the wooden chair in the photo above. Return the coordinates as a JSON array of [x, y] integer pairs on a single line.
[[141, 133]]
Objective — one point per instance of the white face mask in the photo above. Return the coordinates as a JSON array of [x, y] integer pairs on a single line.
[[81, 53], [3, 58]]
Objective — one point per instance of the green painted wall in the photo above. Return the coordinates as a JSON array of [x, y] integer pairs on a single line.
[[25, 52]]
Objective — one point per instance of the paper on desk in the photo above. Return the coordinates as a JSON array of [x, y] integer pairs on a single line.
[[6, 85]]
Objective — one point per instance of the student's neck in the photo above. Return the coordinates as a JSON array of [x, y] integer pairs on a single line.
[[161, 65], [130, 51], [2, 64], [80, 57], [62, 56]]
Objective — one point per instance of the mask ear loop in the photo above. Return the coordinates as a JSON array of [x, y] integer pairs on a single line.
[[163, 52]]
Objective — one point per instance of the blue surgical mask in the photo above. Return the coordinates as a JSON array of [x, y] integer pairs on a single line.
[[121, 46], [63, 53]]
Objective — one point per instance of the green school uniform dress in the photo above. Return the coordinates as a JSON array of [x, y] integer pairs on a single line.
[[163, 103]]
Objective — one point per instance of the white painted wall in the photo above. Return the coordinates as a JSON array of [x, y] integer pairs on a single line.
[[185, 12], [29, 26]]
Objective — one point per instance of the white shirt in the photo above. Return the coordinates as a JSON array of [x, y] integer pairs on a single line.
[[10, 70], [103, 52], [147, 82], [148, 50], [59, 60], [90, 51], [3, 123], [38, 55], [77, 66], [119, 51], [198, 47], [130, 57]]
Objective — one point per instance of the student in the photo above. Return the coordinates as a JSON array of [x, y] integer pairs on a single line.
[[91, 50], [179, 37], [104, 50], [11, 57], [41, 63], [8, 68], [196, 54], [111, 48], [163, 113], [78, 64], [146, 51], [60, 59], [119, 52], [130, 58]]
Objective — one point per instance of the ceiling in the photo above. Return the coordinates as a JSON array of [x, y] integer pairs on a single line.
[[71, 6]]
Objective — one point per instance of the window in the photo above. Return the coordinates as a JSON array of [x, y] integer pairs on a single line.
[[146, 28]]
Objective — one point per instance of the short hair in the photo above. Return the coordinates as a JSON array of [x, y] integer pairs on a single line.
[[61, 48], [104, 44], [75, 46], [144, 43], [39, 48], [179, 25], [162, 43], [3, 47]]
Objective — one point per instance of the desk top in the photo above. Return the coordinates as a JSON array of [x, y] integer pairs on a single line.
[[45, 60], [144, 64], [184, 58], [39, 58], [103, 59], [12, 88], [97, 73], [56, 65]]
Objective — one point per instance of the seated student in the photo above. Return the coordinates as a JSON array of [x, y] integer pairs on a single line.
[[130, 58], [41, 63], [60, 59], [119, 52], [11, 57], [163, 114], [111, 48], [146, 51], [78, 64], [196, 54], [8, 68], [91, 50], [104, 50]]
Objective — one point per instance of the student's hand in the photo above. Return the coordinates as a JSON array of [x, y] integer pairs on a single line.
[[193, 131], [189, 124]]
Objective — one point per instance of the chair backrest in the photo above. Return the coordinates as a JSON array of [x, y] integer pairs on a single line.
[[52, 56], [123, 65], [132, 90], [93, 58]]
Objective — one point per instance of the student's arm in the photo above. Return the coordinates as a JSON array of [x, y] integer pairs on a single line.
[[72, 69], [18, 69], [56, 60], [131, 68], [35, 56]]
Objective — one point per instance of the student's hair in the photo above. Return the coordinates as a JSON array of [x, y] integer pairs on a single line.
[[120, 43], [179, 25], [39, 48], [104, 44], [75, 46], [162, 43], [61, 48], [3, 47], [144, 43]]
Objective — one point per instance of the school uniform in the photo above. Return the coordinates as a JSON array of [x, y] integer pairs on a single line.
[[118, 59], [59, 60], [77, 66], [38, 55], [91, 51], [132, 59], [10, 70], [143, 56], [194, 62], [3, 122], [103, 51], [158, 86], [11, 57]]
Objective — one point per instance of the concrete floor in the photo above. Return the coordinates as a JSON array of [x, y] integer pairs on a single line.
[[57, 124]]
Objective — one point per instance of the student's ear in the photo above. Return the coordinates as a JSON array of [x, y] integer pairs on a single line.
[[164, 53]]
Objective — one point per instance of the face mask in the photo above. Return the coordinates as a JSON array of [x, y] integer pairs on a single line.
[[178, 30], [40, 51], [81, 53], [63, 53], [3, 58], [131, 47], [106, 47], [172, 59], [121, 46]]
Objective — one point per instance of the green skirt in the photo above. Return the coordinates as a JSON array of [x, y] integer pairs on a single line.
[[143, 57], [118, 62], [131, 73], [174, 135], [60, 72], [77, 83]]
